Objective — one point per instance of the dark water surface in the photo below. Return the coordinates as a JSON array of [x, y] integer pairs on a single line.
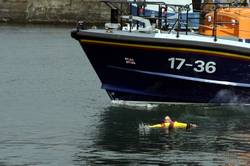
[[53, 112]]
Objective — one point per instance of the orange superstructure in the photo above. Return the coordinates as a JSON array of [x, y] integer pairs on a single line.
[[228, 22]]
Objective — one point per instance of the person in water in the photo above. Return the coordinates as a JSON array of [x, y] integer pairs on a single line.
[[168, 120]]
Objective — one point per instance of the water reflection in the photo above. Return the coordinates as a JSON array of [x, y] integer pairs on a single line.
[[218, 140]]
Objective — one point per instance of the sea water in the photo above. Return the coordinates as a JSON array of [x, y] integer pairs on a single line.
[[53, 112]]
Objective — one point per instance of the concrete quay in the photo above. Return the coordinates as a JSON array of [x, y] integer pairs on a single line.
[[53, 11]]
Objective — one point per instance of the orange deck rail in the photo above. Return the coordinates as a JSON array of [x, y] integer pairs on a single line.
[[227, 22]]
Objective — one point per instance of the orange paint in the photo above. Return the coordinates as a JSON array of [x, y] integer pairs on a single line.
[[230, 22]]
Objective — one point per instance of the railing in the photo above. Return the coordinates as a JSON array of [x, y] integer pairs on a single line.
[[162, 20], [159, 18], [215, 9]]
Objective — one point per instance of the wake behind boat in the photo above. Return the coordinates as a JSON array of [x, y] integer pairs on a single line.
[[139, 59]]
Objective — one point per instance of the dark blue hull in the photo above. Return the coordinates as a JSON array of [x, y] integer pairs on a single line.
[[144, 69]]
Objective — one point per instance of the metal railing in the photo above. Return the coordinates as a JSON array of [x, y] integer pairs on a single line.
[[162, 18]]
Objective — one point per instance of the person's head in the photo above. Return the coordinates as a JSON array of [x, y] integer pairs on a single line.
[[168, 119]]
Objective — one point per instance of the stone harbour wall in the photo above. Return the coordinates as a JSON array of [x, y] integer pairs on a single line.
[[53, 11]]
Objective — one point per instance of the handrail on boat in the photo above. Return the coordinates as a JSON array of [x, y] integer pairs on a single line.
[[178, 21], [142, 4], [215, 9]]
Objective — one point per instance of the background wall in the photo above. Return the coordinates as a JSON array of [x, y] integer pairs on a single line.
[[57, 11], [53, 11]]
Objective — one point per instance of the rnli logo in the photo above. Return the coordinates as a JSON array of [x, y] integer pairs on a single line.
[[130, 61]]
